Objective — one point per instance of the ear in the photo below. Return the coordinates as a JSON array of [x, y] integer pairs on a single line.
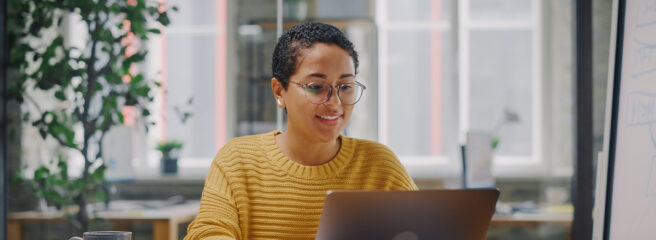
[[278, 92]]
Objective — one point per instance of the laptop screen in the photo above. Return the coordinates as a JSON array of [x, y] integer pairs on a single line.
[[427, 214]]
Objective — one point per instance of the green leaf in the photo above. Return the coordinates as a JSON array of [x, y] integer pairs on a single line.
[[51, 195], [17, 179], [137, 27], [41, 173], [142, 91], [154, 30], [78, 184], [163, 19], [18, 54], [60, 95], [136, 80], [100, 196], [63, 168], [98, 175], [43, 133]]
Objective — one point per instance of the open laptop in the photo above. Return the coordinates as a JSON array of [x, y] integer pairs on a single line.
[[407, 215]]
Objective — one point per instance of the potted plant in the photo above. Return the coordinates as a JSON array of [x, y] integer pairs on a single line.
[[88, 83], [170, 151], [509, 117]]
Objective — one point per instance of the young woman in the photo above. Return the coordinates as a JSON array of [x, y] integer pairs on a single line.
[[272, 185]]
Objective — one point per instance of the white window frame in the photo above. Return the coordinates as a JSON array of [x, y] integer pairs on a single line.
[[432, 166], [417, 166], [444, 166], [506, 165]]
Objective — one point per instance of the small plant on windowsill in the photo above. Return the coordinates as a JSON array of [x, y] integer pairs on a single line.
[[170, 150], [509, 117]]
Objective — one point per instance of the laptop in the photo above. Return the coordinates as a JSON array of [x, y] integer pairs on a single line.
[[407, 215]]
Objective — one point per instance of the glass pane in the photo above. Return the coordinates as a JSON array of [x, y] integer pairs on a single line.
[[411, 88], [255, 105], [344, 9], [418, 10], [191, 73], [254, 109], [500, 80], [500, 9], [197, 12]]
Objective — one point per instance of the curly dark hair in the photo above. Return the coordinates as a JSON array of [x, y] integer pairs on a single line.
[[301, 37]]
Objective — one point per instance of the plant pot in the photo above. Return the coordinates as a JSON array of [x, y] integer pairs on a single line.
[[169, 165]]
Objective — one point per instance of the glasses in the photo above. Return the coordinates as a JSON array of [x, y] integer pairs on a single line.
[[318, 93]]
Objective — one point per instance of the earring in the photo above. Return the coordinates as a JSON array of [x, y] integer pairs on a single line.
[[278, 101]]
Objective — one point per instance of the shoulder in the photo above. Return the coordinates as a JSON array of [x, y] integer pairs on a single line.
[[250, 142], [241, 149], [375, 153], [381, 163], [372, 148]]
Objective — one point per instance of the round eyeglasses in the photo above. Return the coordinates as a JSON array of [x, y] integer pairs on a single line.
[[318, 93]]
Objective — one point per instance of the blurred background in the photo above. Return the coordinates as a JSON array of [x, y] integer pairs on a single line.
[[438, 73]]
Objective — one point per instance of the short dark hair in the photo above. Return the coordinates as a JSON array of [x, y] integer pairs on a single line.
[[301, 37]]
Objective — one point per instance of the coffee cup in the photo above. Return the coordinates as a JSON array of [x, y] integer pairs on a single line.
[[104, 235]]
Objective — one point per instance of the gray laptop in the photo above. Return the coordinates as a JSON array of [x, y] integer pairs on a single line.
[[407, 215]]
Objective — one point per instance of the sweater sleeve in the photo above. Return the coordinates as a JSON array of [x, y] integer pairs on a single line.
[[217, 217]]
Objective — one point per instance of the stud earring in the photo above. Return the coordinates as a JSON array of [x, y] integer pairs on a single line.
[[279, 102]]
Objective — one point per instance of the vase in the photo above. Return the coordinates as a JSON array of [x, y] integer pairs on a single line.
[[169, 165]]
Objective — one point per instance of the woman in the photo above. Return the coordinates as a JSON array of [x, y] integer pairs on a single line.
[[272, 185]]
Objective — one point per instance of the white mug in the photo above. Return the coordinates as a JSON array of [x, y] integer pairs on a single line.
[[104, 235]]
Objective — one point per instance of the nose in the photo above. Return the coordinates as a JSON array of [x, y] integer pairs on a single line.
[[333, 99]]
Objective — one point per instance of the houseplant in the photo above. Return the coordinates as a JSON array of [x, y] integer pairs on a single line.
[[90, 84], [169, 150]]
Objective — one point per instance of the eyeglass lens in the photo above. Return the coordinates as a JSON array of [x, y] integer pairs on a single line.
[[318, 93]]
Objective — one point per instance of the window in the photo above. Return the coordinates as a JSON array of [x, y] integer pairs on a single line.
[[419, 106], [500, 71], [434, 70]]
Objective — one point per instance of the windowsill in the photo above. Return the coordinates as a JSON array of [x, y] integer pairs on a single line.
[[183, 174], [417, 169]]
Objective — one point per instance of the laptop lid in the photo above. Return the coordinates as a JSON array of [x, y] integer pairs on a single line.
[[407, 215]]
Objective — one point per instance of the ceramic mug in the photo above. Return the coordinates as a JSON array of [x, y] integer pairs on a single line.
[[104, 235]]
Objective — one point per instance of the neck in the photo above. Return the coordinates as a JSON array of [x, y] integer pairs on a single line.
[[306, 151]]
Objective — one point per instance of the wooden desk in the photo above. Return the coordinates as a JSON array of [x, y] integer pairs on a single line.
[[165, 219], [532, 219]]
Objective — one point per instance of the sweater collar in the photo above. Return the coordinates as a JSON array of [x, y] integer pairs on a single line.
[[323, 171]]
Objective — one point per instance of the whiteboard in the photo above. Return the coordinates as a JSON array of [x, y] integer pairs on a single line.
[[625, 205]]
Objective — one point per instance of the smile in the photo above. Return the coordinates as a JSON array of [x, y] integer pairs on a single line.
[[329, 117]]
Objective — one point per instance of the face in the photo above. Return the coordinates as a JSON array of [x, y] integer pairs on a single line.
[[322, 63]]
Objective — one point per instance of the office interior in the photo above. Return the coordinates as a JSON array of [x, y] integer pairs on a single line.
[[438, 73]]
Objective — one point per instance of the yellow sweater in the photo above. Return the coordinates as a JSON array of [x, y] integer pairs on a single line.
[[253, 191]]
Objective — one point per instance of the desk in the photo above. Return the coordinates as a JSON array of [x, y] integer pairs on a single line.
[[531, 219], [165, 219]]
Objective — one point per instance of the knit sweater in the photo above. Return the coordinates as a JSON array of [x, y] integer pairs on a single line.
[[254, 191]]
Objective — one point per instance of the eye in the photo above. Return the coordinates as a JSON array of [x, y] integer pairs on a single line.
[[345, 86], [315, 87]]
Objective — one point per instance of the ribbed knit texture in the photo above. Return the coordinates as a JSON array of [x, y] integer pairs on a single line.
[[254, 191]]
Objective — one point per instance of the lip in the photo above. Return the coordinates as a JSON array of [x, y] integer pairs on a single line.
[[330, 122]]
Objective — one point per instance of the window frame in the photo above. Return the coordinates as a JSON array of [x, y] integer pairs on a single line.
[[534, 165]]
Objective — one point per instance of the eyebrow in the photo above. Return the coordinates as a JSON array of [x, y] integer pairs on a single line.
[[321, 75]]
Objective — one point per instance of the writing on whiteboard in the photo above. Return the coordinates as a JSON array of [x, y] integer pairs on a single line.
[[641, 109], [644, 61]]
